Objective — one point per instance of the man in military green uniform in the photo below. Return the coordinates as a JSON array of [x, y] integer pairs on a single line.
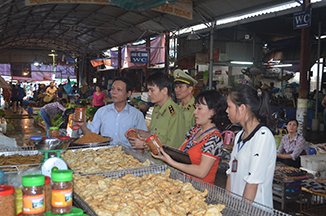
[[168, 121], [183, 87]]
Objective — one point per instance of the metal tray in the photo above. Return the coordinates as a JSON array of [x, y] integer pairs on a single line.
[[235, 206], [20, 151], [91, 144], [17, 168], [141, 157]]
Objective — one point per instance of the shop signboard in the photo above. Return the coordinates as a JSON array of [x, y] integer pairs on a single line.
[[138, 56], [302, 19]]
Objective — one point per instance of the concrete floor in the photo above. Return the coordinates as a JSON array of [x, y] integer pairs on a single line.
[[21, 127]]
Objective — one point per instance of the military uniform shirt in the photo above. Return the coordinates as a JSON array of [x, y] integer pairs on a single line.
[[168, 123], [188, 112]]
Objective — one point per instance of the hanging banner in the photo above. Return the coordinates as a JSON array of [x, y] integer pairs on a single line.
[[38, 2], [181, 8]]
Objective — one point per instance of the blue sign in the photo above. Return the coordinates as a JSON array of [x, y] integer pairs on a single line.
[[301, 19], [138, 56]]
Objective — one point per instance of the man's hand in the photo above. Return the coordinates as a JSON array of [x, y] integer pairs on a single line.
[[137, 143]]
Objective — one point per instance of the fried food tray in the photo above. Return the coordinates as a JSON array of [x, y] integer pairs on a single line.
[[20, 151], [235, 206], [140, 157], [17, 168]]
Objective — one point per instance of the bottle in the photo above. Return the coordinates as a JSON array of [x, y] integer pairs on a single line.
[[61, 199], [33, 195], [34, 139], [7, 200], [80, 114], [53, 132]]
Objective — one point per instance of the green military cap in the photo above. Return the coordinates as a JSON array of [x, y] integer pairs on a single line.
[[181, 76]]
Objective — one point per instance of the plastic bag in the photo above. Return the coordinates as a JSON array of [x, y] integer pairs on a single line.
[[67, 87]]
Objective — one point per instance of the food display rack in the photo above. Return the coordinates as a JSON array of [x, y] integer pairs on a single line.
[[129, 151], [312, 203], [235, 205]]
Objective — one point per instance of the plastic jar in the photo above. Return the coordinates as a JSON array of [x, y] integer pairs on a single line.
[[80, 114], [61, 199], [7, 200], [47, 193], [34, 139], [33, 195], [53, 132], [132, 133], [154, 143]]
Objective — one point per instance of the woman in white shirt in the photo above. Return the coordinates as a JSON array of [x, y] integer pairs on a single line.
[[253, 158]]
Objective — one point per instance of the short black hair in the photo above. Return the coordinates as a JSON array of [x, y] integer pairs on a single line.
[[127, 81], [161, 80], [62, 101], [292, 120], [217, 102]]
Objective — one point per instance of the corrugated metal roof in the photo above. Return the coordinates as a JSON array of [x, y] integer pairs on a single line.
[[71, 27]]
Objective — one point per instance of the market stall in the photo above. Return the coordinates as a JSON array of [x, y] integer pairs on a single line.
[[103, 174]]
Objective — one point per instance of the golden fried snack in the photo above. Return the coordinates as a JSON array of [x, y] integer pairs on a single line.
[[19, 159], [106, 159], [151, 194]]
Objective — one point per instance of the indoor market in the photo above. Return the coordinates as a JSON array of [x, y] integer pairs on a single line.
[[155, 107]]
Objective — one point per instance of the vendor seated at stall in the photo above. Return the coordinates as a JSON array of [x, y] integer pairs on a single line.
[[115, 119], [77, 99], [292, 146]]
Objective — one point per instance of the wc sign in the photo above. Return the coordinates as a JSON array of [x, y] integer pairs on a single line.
[[138, 56], [301, 19]]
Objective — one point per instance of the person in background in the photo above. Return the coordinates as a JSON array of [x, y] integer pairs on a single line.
[[98, 98], [21, 94], [6, 93], [83, 89], [203, 142], [52, 91], [292, 146], [115, 119], [168, 120], [77, 99], [184, 87], [323, 103], [253, 158], [14, 98], [49, 111]]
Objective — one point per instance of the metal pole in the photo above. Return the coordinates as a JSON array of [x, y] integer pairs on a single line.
[[211, 55], [318, 63]]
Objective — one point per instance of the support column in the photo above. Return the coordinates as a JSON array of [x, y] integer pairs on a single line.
[[302, 108], [211, 55], [167, 49], [119, 63], [148, 49]]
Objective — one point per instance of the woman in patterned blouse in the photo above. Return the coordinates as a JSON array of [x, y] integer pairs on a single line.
[[292, 146], [203, 142]]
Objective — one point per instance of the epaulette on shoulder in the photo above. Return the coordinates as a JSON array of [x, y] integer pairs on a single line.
[[171, 110]]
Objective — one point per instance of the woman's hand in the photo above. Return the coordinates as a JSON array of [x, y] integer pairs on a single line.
[[163, 156]]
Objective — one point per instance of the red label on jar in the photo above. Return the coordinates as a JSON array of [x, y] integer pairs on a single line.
[[33, 204], [61, 198]]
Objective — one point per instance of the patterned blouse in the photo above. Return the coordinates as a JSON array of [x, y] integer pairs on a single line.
[[211, 146], [295, 147]]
